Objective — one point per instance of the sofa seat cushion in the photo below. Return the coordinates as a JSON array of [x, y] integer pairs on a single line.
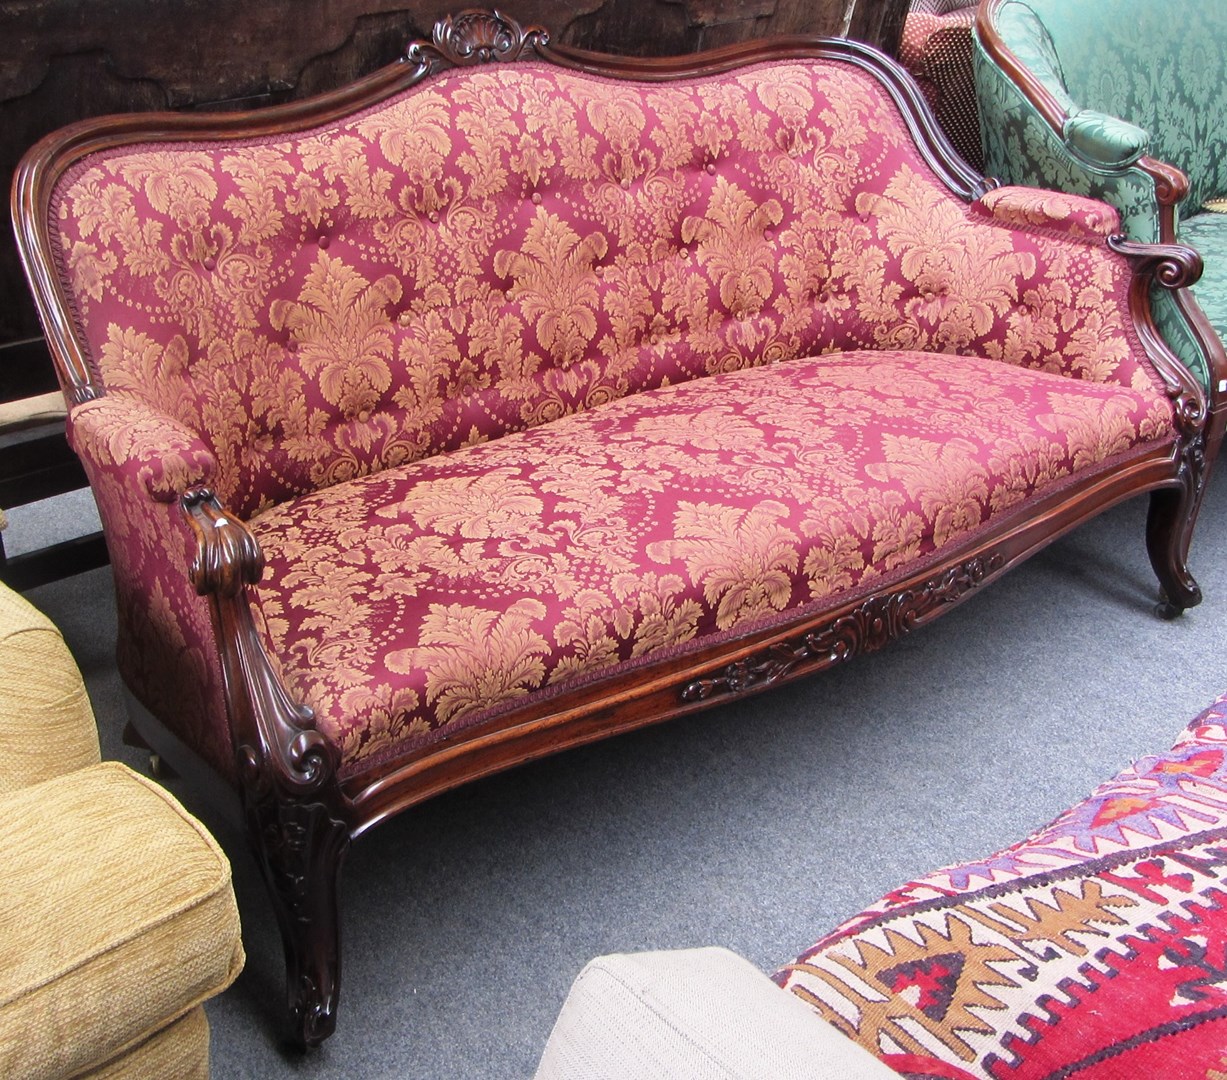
[[418, 600], [162, 933], [1095, 948], [1208, 233]]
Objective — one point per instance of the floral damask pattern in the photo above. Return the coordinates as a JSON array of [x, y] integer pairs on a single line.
[[481, 366], [420, 599], [494, 250]]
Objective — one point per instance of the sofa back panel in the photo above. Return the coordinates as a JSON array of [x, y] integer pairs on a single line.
[[1161, 66], [495, 248]]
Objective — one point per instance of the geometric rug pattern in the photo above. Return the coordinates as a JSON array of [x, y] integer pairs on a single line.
[[1096, 949]]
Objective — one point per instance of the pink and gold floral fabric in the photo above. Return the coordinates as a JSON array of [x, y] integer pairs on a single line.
[[410, 603], [524, 373], [497, 248]]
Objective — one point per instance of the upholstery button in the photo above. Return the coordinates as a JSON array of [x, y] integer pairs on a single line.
[[768, 234], [536, 198], [823, 297], [209, 263], [433, 215], [711, 168], [323, 241], [626, 182], [404, 318]]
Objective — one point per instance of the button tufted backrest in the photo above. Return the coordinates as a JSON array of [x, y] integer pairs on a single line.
[[497, 247]]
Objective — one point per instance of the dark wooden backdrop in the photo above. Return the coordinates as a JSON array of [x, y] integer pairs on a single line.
[[65, 59]]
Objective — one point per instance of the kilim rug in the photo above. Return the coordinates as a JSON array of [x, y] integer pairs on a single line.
[[1096, 949]]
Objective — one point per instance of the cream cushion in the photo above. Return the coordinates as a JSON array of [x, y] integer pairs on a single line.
[[116, 915], [694, 1014]]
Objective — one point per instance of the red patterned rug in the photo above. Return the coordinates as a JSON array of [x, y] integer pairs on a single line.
[[1095, 950]]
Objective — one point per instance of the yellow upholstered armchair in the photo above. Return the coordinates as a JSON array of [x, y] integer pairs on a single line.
[[117, 916]]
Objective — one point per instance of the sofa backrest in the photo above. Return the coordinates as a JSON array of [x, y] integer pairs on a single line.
[[498, 246], [1161, 66]]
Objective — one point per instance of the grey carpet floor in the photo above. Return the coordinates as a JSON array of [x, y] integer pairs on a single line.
[[758, 826]]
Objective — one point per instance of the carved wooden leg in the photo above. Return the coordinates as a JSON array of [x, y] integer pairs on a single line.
[[1169, 527], [300, 847]]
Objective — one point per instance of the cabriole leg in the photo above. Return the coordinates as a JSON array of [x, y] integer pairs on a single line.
[[300, 847], [1169, 526]]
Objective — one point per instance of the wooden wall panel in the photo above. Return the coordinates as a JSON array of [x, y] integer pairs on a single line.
[[64, 60]]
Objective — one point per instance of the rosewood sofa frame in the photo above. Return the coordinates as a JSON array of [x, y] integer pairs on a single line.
[[300, 817]]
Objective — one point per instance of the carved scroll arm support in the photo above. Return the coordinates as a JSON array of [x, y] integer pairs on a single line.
[[287, 771], [1174, 267], [275, 738]]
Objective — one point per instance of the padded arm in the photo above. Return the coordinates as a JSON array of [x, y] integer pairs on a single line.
[[140, 462], [46, 723], [1103, 141], [164, 456], [1034, 133]]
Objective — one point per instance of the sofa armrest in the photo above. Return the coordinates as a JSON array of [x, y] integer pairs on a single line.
[[46, 724], [164, 456], [1036, 134], [1104, 141], [694, 1013], [1052, 212]]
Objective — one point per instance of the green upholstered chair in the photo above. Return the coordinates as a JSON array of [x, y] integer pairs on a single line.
[[1126, 101]]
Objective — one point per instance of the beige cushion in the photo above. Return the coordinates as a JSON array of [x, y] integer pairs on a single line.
[[46, 723], [38, 409], [694, 1014], [116, 916], [180, 1051]]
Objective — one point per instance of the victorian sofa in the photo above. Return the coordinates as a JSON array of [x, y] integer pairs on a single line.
[[117, 916], [1121, 100], [515, 396]]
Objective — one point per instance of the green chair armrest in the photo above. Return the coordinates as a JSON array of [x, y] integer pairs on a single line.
[[1104, 141]]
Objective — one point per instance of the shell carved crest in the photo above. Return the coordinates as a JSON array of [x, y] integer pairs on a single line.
[[475, 37]]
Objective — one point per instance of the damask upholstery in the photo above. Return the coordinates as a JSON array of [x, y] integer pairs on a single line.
[[656, 522], [376, 298], [117, 917], [498, 412], [1133, 79]]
